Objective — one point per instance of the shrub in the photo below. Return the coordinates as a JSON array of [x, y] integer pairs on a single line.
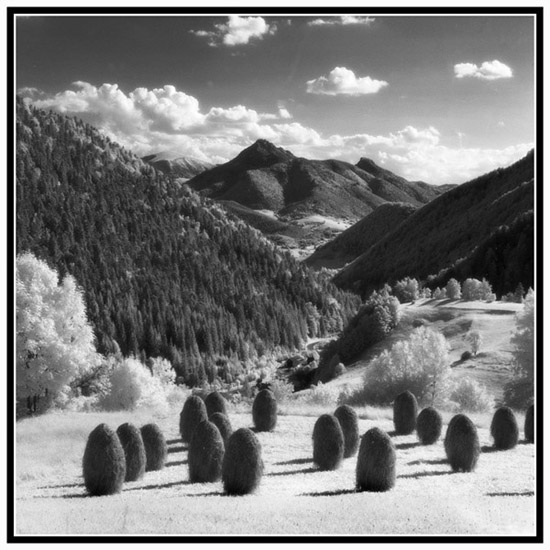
[[347, 417], [419, 364], [471, 396], [328, 442], [206, 451], [428, 426], [134, 451], [504, 429], [462, 444], [406, 290], [529, 426], [156, 449], [221, 421], [243, 466], [418, 323], [264, 411], [466, 355], [192, 414], [518, 392], [375, 462], [130, 385], [475, 340], [104, 463], [405, 410]]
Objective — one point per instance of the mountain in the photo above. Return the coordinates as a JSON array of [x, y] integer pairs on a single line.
[[181, 167], [266, 177], [356, 240], [164, 271], [450, 232]]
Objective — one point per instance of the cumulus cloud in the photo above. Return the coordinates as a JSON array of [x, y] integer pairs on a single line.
[[342, 81], [237, 31], [488, 70], [342, 20], [170, 121]]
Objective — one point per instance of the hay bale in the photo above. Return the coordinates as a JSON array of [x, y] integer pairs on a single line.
[[242, 464], [328, 442], [462, 444], [405, 411], [375, 469], [156, 449], [192, 414], [206, 451], [264, 411], [215, 402], [529, 426], [223, 424], [504, 429], [428, 426], [347, 417], [134, 451], [104, 463]]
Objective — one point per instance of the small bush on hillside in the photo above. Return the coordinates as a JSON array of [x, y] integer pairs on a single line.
[[529, 426], [473, 289], [156, 449], [428, 426], [264, 411], [347, 417], [215, 402], [418, 323], [223, 424], [462, 444], [192, 414], [475, 339], [206, 451], [104, 463], [504, 429], [243, 466], [375, 469], [405, 411], [134, 451], [328, 443], [470, 396], [439, 294], [466, 355]]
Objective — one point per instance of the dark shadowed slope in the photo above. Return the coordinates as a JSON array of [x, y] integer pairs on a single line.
[[447, 229], [361, 236]]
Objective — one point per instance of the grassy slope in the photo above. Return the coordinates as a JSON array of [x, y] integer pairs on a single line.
[[293, 496], [495, 322]]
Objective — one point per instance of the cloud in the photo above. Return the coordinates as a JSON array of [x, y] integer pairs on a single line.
[[342, 81], [237, 31], [342, 20], [169, 120], [489, 70]]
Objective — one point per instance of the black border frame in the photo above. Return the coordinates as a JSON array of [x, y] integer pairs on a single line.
[[12, 12]]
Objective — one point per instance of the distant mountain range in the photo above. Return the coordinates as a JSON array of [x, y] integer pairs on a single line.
[[482, 228], [182, 167], [268, 178]]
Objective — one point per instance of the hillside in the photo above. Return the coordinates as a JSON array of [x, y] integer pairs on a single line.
[[165, 272], [451, 229], [266, 177], [184, 168], [361, 236]]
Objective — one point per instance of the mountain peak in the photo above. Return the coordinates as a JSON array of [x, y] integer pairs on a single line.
[[263, 153]]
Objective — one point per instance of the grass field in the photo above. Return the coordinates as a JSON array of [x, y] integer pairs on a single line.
[[293, 498]]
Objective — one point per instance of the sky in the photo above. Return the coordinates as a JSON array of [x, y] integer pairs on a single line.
[[441, 99]]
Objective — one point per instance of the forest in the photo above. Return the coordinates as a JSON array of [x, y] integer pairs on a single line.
[[165, 272]]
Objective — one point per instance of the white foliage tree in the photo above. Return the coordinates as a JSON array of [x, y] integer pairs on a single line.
[[420, 364], [523, 339], [475, 339], [54, 341]]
